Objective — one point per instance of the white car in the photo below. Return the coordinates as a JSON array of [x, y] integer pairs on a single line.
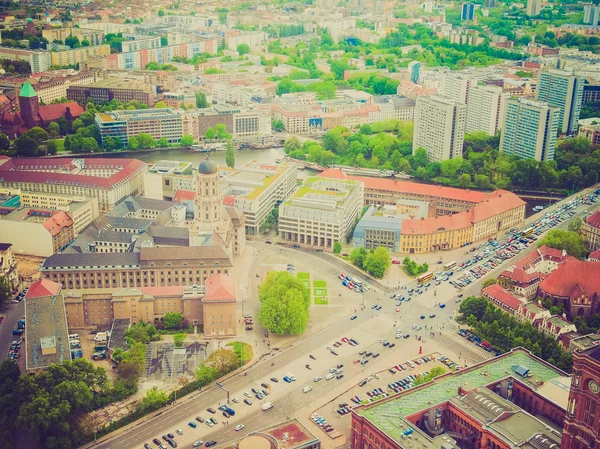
[[197, 443], [209, 423], [236, 400], [383, 340], [239, 427], [248, 395], [369, 379], [307, 389], [318, 378], [179, 431], [329, 376]]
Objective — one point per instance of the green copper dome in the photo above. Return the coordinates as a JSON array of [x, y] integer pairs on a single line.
[[27, 91]]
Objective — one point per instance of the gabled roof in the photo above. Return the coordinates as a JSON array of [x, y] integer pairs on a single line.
[[219, 287], [41, 288], [503, 296], [572, 278]]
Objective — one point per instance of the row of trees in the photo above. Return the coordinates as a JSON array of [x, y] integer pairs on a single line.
[[570, 241], [375, 261], [504, 331]]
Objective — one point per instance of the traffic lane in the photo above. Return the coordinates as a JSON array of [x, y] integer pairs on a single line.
[[12, 313]]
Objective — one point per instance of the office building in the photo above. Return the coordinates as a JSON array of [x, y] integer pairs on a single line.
[[99, 94], [124, 125], [414, 71], [582, 419], [534, 7], [467, 11], [562, 89], [439, 127], [490, 3], [39, 60], [513, 400], [484, 109], [107, 179], [321, 212], [79, 55], [591, 14], [529, 129]]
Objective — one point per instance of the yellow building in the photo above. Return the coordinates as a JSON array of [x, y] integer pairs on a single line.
[[79, 55]]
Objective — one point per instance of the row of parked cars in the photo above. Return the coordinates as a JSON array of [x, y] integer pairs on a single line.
[[322, 422], [467, 334], [353, 284]]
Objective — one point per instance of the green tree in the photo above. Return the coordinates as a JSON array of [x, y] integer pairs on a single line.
[[26, 146], [161, 12], [201, 100], [575, 225], [160, 105], [51, 147], [358, 256], [433, 373], [206, 374], [134, 144], [222, 361], [243, 49], [292, 144], [38, 134], [163, 142], [337, 247], [210, 133], [221, 131], [4, 142], [153, 400], [278, 125], [230, 154], [473, 305], [146, 140], [377, 262], [173, 320], [188, 140], [53, 129], [284, 303], [178, 339], [5, 291], [489, 281], [569, 241]]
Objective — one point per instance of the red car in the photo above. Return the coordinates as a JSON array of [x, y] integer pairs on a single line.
[[342, 276]]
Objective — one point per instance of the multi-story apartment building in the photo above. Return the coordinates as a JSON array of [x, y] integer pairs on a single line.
[[467, 11], [79, 55], [136, 43], [124, 125], [49, 91], [251, 123], [108, 180], [253, 39], [529, 129], [590, 132], [414, 70], [8, 266], [176, 99], [39, 60], [591, 14], [150, 267], [439, 127], [257, 188], [94, 37], [321, 212], [534, 7], [456, 87], [563, 90], [100, 95], [395, 107], [484, 109]]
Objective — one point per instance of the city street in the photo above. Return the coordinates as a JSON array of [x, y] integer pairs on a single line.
[[437, 336]]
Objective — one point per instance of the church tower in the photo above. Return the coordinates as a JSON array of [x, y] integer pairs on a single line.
[[208, 205], [29, 105]]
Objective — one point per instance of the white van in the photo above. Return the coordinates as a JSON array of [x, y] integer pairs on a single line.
[[329, 376], [307, 389], [266, 406]]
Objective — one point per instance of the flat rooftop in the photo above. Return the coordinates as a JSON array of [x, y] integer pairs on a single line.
[[389, 412]]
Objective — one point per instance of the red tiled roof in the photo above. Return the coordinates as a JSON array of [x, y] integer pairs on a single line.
[[219, 287], [57, 222], [41, 288], [497, 292], [184, 195], [573, 277], [595, 254], [498, 201], [594, 219], [21, 170], [519, 275], [420, 226], [391, 185], [52, 112]]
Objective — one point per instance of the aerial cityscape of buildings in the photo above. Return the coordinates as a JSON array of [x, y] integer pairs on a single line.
[[367, 224]]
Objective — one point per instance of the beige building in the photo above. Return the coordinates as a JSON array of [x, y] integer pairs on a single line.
[[94, 37], [107, 179], [78, 55], [49, 91], [82, 210], [591, 231], [321, 212], [219, 307], [150, 267], [590, 132], [484, 109], [8, 266], [439, 127], [37, 232]]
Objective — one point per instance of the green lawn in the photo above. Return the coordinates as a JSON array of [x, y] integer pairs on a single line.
[[305, 278], [322, 284], [321, 300], [244, 349], [320, 292], [60, 145]]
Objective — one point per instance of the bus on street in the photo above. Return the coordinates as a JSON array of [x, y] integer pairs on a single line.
[[425, 277]]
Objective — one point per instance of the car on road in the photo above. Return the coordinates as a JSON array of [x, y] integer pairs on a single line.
[[264, 385], [197, 443], [312, 357], [318, 378], [329, 376], [210, 443], [287, 379], [236, 400], [248, 395], [211, 410], [239, 427], [199, 419], [353, 317], [147, 446], [274, 379], [422, 317], [432, 315], [307, 389], [339, 376], [247, 402], [192, 424]]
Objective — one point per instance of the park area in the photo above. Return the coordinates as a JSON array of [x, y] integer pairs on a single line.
[[318, 290]]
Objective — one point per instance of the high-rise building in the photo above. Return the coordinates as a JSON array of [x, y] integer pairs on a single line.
[[591, 15], [414, 70], [534, 7], [583, 411], [529, 129], [456, 87], [563, 90], [439, 127], [490, 3], [467, 11], [484, 109]]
